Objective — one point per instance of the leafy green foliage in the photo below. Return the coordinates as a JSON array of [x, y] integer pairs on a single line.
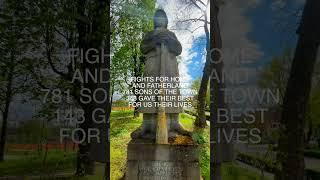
[[314, 153], [314, 105], [129, 21], [258, 162], [313, 173], [14, 78], [275, 75], [202, 137], [196, 86]]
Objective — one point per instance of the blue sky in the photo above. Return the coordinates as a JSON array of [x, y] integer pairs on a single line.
[[266, 31], [195, 68], [272, 29]]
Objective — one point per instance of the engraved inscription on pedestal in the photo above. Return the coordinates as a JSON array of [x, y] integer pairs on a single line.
[[149, 161], [160, 170]]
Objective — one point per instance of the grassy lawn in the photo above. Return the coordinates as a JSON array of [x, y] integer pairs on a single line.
[[58, 163], [233, 172], [120, 136], [120, 130], [122, 124], [31, 164]]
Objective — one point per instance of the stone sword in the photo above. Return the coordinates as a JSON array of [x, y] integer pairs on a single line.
[[162, 126]]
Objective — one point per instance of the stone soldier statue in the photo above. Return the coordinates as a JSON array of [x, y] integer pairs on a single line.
[[160, 47]]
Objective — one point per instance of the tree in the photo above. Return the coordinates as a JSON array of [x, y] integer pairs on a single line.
[[196, 86], [202, 7], [57, 27], [93, 32], [291, 141], [45, 29], [130, 21], [13, 77], [275, 75], [313, 115]]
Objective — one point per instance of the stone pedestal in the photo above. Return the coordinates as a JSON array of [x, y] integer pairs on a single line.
[[149, 161]]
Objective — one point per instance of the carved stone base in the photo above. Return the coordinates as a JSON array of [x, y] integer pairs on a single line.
[[148, 161], [148, 127]]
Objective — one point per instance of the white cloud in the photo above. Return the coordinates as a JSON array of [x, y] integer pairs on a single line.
[[177, 10], [235, 28]]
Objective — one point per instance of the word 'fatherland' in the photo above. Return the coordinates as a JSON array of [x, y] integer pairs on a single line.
[[160, 91]]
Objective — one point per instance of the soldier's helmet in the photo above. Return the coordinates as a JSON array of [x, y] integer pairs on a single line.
[[160, 19]]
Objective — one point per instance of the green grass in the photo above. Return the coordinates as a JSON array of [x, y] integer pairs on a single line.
[[122, 124], [33, 164], [187, 121], [120, 130], [57, 162], [233, 172], [123, 113]]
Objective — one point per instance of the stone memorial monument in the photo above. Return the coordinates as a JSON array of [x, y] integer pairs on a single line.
[[161, 149], [160, 48]]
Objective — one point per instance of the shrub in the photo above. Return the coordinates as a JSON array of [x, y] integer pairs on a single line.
[[312, 174], [312, 153], [269, 166]]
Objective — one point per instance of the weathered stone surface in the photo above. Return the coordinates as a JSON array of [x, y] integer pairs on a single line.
[[161, 161], [148, 161], [160, 62], [160, 48]]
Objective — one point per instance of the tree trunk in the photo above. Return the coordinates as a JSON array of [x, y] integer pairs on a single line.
[[217, 153], [4, 128], [83, 158], [92, 35], [201, 120], [137, 71], [291, 142], [136, 112], [5, 113], [309, 133]]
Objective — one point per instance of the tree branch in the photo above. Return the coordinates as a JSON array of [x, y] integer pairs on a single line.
[[49, 57], [201, 2], [194, 20], [60, 33], [194, 2], [36, 78], [191, 31]]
